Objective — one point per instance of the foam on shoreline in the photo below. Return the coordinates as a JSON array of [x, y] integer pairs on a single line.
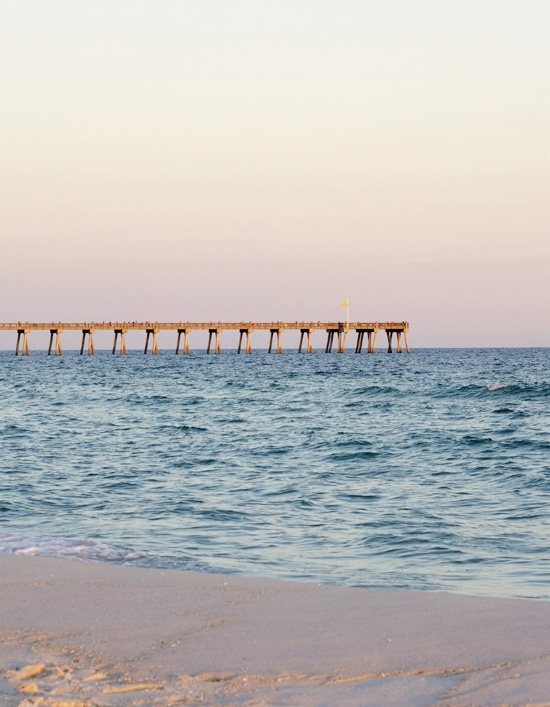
[[64, 548]]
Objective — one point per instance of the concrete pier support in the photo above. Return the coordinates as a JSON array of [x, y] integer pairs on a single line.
[[371, 340], [342, 333], [25, 349], [185, 333], [122, 342], [58, 350], [242, 332], [309, 346], [373, 347], [272, 332], [342, 337], [155, 348], [211, 333], [399, 349], [398, 333], [91, 349]]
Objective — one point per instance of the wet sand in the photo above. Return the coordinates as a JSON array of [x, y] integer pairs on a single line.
[[75, 634]]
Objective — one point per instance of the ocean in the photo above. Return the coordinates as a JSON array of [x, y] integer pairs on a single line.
[[426, 471]]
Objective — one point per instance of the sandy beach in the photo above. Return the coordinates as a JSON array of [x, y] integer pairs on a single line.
[[74, 634]]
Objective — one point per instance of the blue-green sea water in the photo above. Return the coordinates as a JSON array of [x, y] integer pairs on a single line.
[[425, 471]]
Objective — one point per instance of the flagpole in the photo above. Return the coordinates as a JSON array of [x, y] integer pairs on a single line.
[[345, 304]]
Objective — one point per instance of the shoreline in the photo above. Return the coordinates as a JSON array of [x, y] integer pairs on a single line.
[[122, 635]]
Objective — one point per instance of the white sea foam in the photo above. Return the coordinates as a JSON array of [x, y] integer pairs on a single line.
[[86, 550], [496, 386]]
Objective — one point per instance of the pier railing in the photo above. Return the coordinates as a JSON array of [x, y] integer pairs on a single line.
[[334, 330]]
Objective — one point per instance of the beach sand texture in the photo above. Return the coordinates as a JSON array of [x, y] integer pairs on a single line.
[[76, 634]]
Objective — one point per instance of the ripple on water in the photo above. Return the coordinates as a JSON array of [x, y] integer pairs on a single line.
[[426, 471]]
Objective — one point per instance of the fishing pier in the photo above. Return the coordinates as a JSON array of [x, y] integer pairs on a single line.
[[337, 334]]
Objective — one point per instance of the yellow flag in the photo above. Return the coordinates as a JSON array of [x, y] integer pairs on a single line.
[[345, 304]]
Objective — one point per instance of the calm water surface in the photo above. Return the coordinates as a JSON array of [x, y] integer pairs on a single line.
[[425, 471]]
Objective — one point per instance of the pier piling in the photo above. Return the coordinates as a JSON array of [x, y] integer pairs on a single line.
[[272, 333], [214, 332], [122, 342], [242, 332], [185, 333], [373, 348], [309, 346], [91, 349], [342, 337], [58, 350], [25, 349], [342, 333], [155, 348], [371, 340]]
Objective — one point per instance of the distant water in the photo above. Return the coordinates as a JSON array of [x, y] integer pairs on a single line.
[[424, 471]]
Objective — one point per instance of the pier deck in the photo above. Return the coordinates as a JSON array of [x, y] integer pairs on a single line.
[[338, 330]]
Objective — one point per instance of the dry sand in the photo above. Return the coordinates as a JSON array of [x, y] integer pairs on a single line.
[[75, 634]]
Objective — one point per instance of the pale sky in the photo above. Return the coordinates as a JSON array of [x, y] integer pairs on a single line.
[[266, 160]]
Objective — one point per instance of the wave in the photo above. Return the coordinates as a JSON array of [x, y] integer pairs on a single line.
[[489, 390], [375, 389], [85, 550], [352, 456]]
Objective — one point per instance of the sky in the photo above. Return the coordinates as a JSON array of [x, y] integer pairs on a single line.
[[266, 160]]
